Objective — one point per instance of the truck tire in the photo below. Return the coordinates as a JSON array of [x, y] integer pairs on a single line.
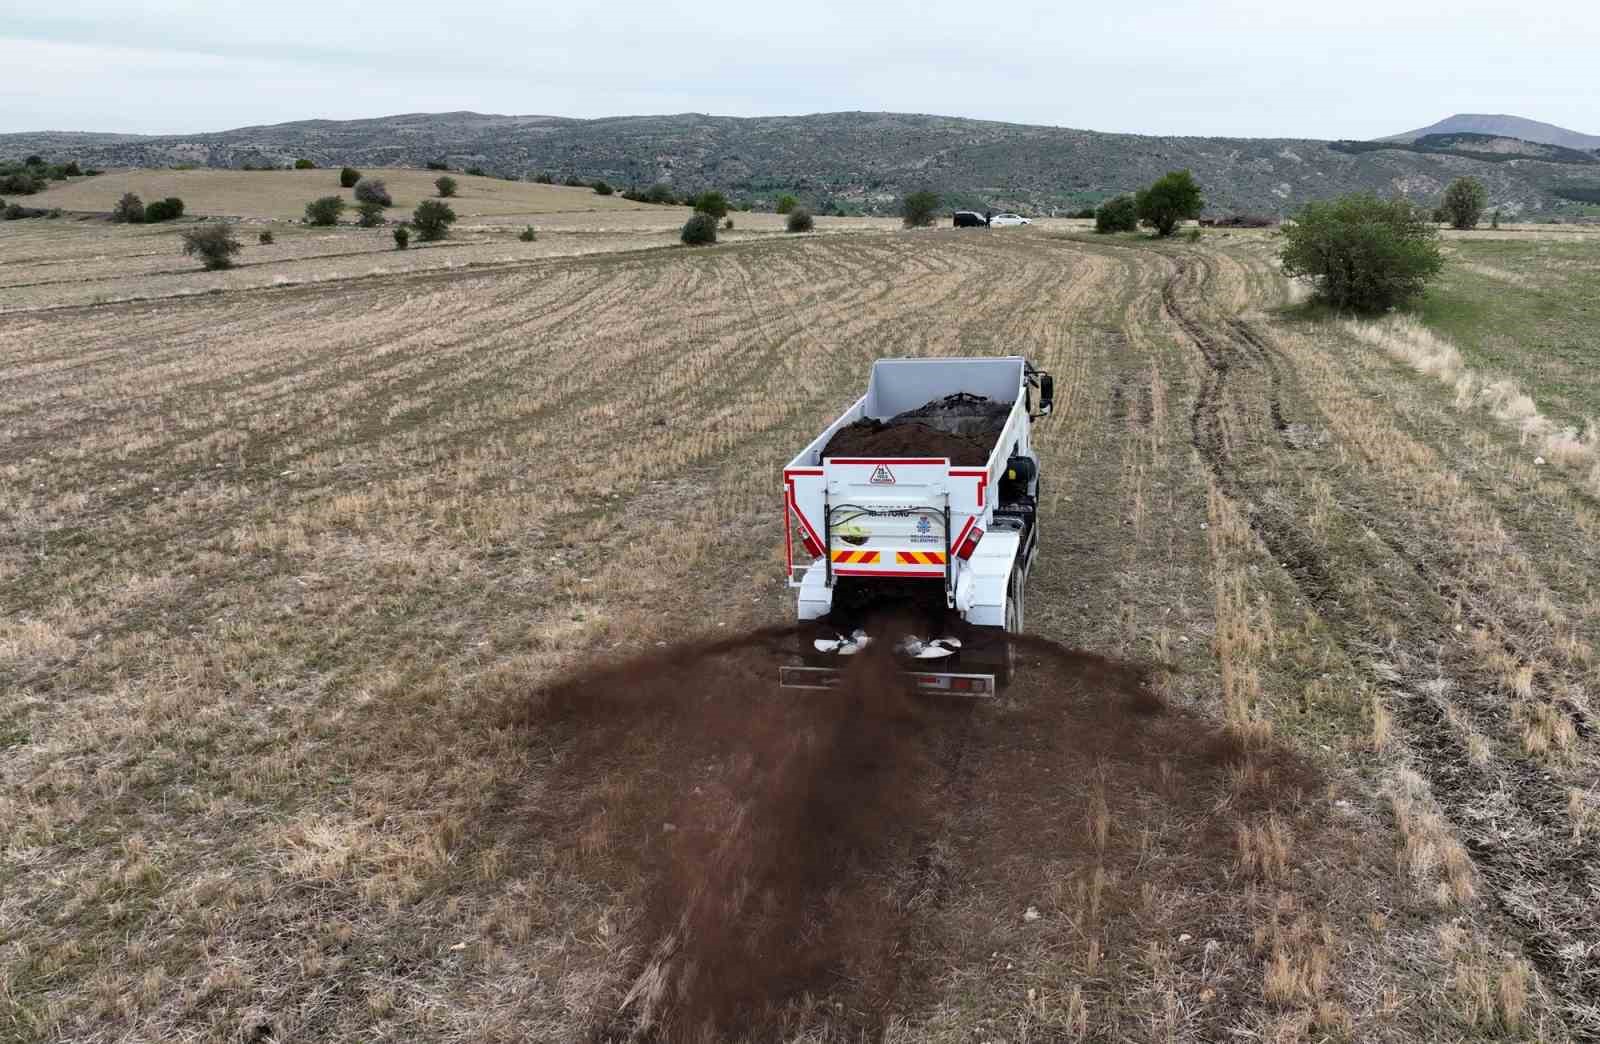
[[1015, 622]]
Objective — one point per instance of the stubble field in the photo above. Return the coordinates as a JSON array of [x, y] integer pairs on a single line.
[[287, 574]]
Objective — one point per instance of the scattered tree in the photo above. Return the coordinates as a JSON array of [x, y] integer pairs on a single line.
[[348, 177], [369, 215], [799, 220], [1117, 215], [699, 230], [325, 211], [660, 192], [1494, 219], [304, 164], [1085, 212], [438, 165], [602, 189], [402, 237], [711, 202], [1440, 216], [1463, 202], [786, 203], [129, 209], [433, 220], [476, 172], [545, 178], [213, 243], [917, 210], [528, 235], [1362, 252], [169, 209], [446, 186], [265, 238], [573, 181], [373, 190], [1172, 198]]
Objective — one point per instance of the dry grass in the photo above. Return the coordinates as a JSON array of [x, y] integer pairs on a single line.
[[274, 564]]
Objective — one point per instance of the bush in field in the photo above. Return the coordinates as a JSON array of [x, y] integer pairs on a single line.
[[544, 178], [446, 186], [1173, 197], [1463, 202], [711, 202], [369, 215], [402, 237], [214, 244], [373, 190], [438, 165], [699, 230], [602, 189], [324, 211], [1117, 215], [1362, 252], [433, 220], [917, 210], [660, 192], [348, 177], [129, 209], [1085, 212], [304, 164], [1494, 219], [786, 203], [727, 224], [573, 181], [528, 235], [799, 220], [169, 209], [476, 172], [265, 238]]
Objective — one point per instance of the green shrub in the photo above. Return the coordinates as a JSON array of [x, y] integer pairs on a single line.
[[528, 235], [213, 243], [129, 209], [373, 190], [168, 209], [369, 215], [433, 220], [55, 212], [348, 177], [476, 172], [800, 220], [265, 238], [786, 203], [1494, 219], [699, 230], [1085, 212], [402, 237], [573, 181], [727, 224], [711, 202], [660, 192], [325, 211], [545, 178], [1173, 197], [1362, 252], [1192, 235], [917, 210], [602, 189], [304, 164], [71, 169], [438, 165], [14, 212], [1117, 215], [1463, 202], [446, 186]]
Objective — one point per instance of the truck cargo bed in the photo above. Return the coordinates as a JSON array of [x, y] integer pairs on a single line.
[[961, 427]]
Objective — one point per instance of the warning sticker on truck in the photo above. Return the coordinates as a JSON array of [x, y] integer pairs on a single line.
[[882, 476]]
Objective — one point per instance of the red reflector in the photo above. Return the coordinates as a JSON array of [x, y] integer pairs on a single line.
[[810, 545], [970, 544]]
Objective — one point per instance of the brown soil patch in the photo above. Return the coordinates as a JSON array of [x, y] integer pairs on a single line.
[[781, 844]]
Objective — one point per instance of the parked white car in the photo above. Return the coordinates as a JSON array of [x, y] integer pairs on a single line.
[[1001, 220]]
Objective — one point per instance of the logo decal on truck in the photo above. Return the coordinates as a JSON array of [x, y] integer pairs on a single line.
[[882, 476]]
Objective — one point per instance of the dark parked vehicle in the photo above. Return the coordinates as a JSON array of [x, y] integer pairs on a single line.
[[970, 219]]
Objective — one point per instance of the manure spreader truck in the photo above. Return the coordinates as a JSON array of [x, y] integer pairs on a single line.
[[912, 519]]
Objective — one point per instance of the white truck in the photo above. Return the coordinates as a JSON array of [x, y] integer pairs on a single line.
[[928, 545]]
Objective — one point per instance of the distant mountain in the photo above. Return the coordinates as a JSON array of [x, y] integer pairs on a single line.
[[1504, 127], [863, 162]]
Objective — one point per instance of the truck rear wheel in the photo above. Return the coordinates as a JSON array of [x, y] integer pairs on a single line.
[[1015, 621]]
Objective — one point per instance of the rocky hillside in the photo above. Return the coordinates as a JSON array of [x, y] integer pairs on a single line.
[[852, 161]]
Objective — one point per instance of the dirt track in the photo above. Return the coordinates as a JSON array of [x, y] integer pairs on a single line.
[[272, 760]]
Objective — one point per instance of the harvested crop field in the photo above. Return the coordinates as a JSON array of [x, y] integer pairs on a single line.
[[392, 658]]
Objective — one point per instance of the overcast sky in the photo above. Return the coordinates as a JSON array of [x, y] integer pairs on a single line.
[[1349, 69]]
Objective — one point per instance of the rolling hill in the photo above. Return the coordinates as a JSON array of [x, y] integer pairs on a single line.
[[855, 162], [1501, 126]]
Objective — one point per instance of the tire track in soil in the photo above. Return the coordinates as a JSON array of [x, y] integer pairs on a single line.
[[1538, 880]]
